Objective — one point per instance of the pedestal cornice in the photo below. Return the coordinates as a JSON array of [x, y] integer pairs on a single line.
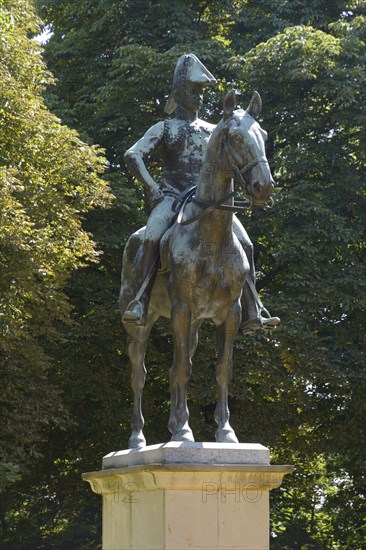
[[187, 466], [185, 477]]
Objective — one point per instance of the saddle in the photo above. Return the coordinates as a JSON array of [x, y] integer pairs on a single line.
[[179, 202]]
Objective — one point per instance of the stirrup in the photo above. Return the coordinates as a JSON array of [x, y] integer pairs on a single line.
[[268, 321], [134, 313], [260, 322]]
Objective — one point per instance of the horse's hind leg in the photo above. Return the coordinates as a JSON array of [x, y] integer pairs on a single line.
[[225, 337], [180, 373], [136, 348]]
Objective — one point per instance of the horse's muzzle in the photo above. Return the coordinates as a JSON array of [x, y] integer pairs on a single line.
[[261, 193]]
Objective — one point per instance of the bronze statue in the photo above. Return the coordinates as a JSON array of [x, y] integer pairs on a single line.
[[181, 142], [205, 256]]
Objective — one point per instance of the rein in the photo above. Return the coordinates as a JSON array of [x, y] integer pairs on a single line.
[[208, 207]]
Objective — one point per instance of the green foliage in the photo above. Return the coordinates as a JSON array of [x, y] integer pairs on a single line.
[[48, 177], [256, 22], [313, 243], [299, 391]]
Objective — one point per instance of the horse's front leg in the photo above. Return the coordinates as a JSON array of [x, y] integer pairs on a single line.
[[193, 340], [173, 386], [225, 340], [136, 347], [180, 372]]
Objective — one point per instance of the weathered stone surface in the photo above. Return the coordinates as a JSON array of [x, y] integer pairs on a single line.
[[176, 452], [187, 505]]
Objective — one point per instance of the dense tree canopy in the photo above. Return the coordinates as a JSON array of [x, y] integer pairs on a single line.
[[48, 177], [301, 390]]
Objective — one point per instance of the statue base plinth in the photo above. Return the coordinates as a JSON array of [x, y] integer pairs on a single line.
[[187, 495]]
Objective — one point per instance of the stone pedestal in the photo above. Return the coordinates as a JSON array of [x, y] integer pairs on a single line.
[[187, 495]]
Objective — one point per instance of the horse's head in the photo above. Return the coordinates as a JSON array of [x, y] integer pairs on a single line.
[[244, 142]]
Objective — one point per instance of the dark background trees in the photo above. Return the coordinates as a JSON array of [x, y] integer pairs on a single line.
[[301, 390]]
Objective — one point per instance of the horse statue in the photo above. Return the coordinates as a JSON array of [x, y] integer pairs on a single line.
[[204, 269]]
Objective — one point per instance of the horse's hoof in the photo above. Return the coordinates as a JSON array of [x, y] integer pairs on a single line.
[[185, 434], [226, 435], [137, 441]]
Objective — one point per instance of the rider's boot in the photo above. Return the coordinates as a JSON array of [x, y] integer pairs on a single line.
[[136, 310], [253, 307]]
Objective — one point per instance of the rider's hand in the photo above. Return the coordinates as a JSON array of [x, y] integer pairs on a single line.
[[155, 196]]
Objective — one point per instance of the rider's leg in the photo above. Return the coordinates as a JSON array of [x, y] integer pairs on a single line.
[[252, 307], [136, 310], [159, 221]]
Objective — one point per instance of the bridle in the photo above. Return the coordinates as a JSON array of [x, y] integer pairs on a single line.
[[239, 177], [240, 172]]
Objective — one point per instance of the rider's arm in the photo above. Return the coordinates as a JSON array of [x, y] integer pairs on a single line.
[[135, 160]]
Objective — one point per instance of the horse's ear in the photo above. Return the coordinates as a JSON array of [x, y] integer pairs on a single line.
[[229, 104], [255, 105]]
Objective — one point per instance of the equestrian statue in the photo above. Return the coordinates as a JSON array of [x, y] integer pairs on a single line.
[[194, 260]]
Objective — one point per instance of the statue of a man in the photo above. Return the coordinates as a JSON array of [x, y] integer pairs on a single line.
[[181, 142]]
